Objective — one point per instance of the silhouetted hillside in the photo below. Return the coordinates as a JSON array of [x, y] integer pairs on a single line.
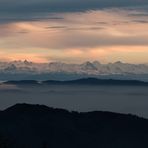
[[84, 81], [36, 126]]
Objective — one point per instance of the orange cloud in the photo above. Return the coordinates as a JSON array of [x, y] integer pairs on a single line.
[[105, 35]]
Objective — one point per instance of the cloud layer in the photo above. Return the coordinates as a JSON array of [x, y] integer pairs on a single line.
[[109, 30], [18, 10], [64, 5]]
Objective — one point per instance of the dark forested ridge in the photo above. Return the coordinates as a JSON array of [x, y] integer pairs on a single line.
[[83, 81], [36, 126]]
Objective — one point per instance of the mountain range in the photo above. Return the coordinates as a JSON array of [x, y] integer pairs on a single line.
[[38, 126], [62, 71], [95, 68], [84, 81]]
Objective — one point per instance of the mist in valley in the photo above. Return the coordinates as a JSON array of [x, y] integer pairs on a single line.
[[83, 98]]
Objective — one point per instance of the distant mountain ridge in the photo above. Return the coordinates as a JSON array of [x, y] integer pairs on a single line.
[[84, 81], [25, 70], [38, 126], [95, 68]]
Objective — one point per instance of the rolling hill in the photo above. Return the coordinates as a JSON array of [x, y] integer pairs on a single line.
[[37, 126]]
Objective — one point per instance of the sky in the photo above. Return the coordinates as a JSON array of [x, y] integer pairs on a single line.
[[74, 31]]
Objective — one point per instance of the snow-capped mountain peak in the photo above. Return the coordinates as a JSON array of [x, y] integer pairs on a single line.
[[93, 68]]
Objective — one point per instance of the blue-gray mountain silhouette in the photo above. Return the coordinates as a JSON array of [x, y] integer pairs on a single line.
[[84, 81]]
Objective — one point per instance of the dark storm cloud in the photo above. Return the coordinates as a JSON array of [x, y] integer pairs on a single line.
[[29, 6], [34, 10]]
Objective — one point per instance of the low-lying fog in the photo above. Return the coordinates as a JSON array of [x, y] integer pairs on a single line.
[[123, 99]]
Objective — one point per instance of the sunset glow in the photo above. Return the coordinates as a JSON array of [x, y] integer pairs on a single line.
[[107, 35]]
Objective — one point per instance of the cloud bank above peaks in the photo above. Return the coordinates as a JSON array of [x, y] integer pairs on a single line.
[[109, 30]]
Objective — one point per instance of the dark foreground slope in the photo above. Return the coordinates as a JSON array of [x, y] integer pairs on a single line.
[[34, 126]]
